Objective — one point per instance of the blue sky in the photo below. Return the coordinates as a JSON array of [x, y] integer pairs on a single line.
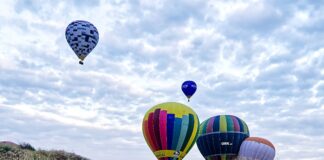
[[261, 60]]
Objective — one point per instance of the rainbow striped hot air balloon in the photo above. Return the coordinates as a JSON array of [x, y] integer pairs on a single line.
[[170, 130], [220, 137], [256, 148]]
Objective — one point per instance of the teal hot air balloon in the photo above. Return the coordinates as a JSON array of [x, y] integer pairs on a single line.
[[220, 137]]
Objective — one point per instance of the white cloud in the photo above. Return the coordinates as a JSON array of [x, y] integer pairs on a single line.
[[259, 60]]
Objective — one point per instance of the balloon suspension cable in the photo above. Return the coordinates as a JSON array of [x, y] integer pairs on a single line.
[[80, 62]]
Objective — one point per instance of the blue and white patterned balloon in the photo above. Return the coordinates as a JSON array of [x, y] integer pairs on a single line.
[[82, 37]]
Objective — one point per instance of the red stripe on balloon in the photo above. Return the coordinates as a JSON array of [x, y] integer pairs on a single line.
[[147, 135], [210, 125], [163, 129], [157, 128], [236, 123], [151, 131]]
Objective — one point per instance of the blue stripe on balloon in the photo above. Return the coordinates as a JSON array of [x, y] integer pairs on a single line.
[[231, 139], [201, 146], [170, 125], [209, 143], [216, 124], [223, 137], [236, 142]]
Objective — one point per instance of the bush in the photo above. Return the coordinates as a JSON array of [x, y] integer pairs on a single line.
[[4, 149], [27, 146], [25, 151]]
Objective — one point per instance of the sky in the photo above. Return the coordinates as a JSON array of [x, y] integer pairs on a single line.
[[260, 60]]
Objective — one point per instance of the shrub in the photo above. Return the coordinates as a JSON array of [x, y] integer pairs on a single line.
[[27, 146], [4, 149]]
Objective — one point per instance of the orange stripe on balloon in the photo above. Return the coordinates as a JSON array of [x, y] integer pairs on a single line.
[[261, 140]]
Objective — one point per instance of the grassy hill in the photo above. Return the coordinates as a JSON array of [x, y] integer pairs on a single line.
[[12, 151]]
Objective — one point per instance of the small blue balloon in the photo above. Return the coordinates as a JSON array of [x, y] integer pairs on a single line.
[[82, 37], [189, 88]]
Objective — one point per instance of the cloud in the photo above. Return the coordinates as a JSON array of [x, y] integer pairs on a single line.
[[259, 60], [256, 16]]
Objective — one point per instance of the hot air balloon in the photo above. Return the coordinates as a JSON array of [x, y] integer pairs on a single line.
[[82, 36], [189, 88], [256, 148], [170, 130], [220, 137]]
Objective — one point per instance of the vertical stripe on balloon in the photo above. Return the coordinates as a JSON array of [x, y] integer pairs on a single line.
[[202, 146], [183, 131], [189, 132], [163, 129], [157, 128], [194, 134], [176, 132], [236, 124], [216, 146], [170, 124], [210, 143], [241, 125], [210, 125], [237, 137], [230, 125], [216, 124], [147, 135], [151, 131], [223, 124], [230, 134], [246, 129], [204, 127]]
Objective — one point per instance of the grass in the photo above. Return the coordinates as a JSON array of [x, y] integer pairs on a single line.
[[25, 151]]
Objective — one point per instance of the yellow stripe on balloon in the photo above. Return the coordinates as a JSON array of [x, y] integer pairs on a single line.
[[223, 124]]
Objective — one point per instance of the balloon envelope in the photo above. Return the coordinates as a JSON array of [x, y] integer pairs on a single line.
[[189, 88], [170, 130], [82, 36], [220, 137], [256, 148]]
